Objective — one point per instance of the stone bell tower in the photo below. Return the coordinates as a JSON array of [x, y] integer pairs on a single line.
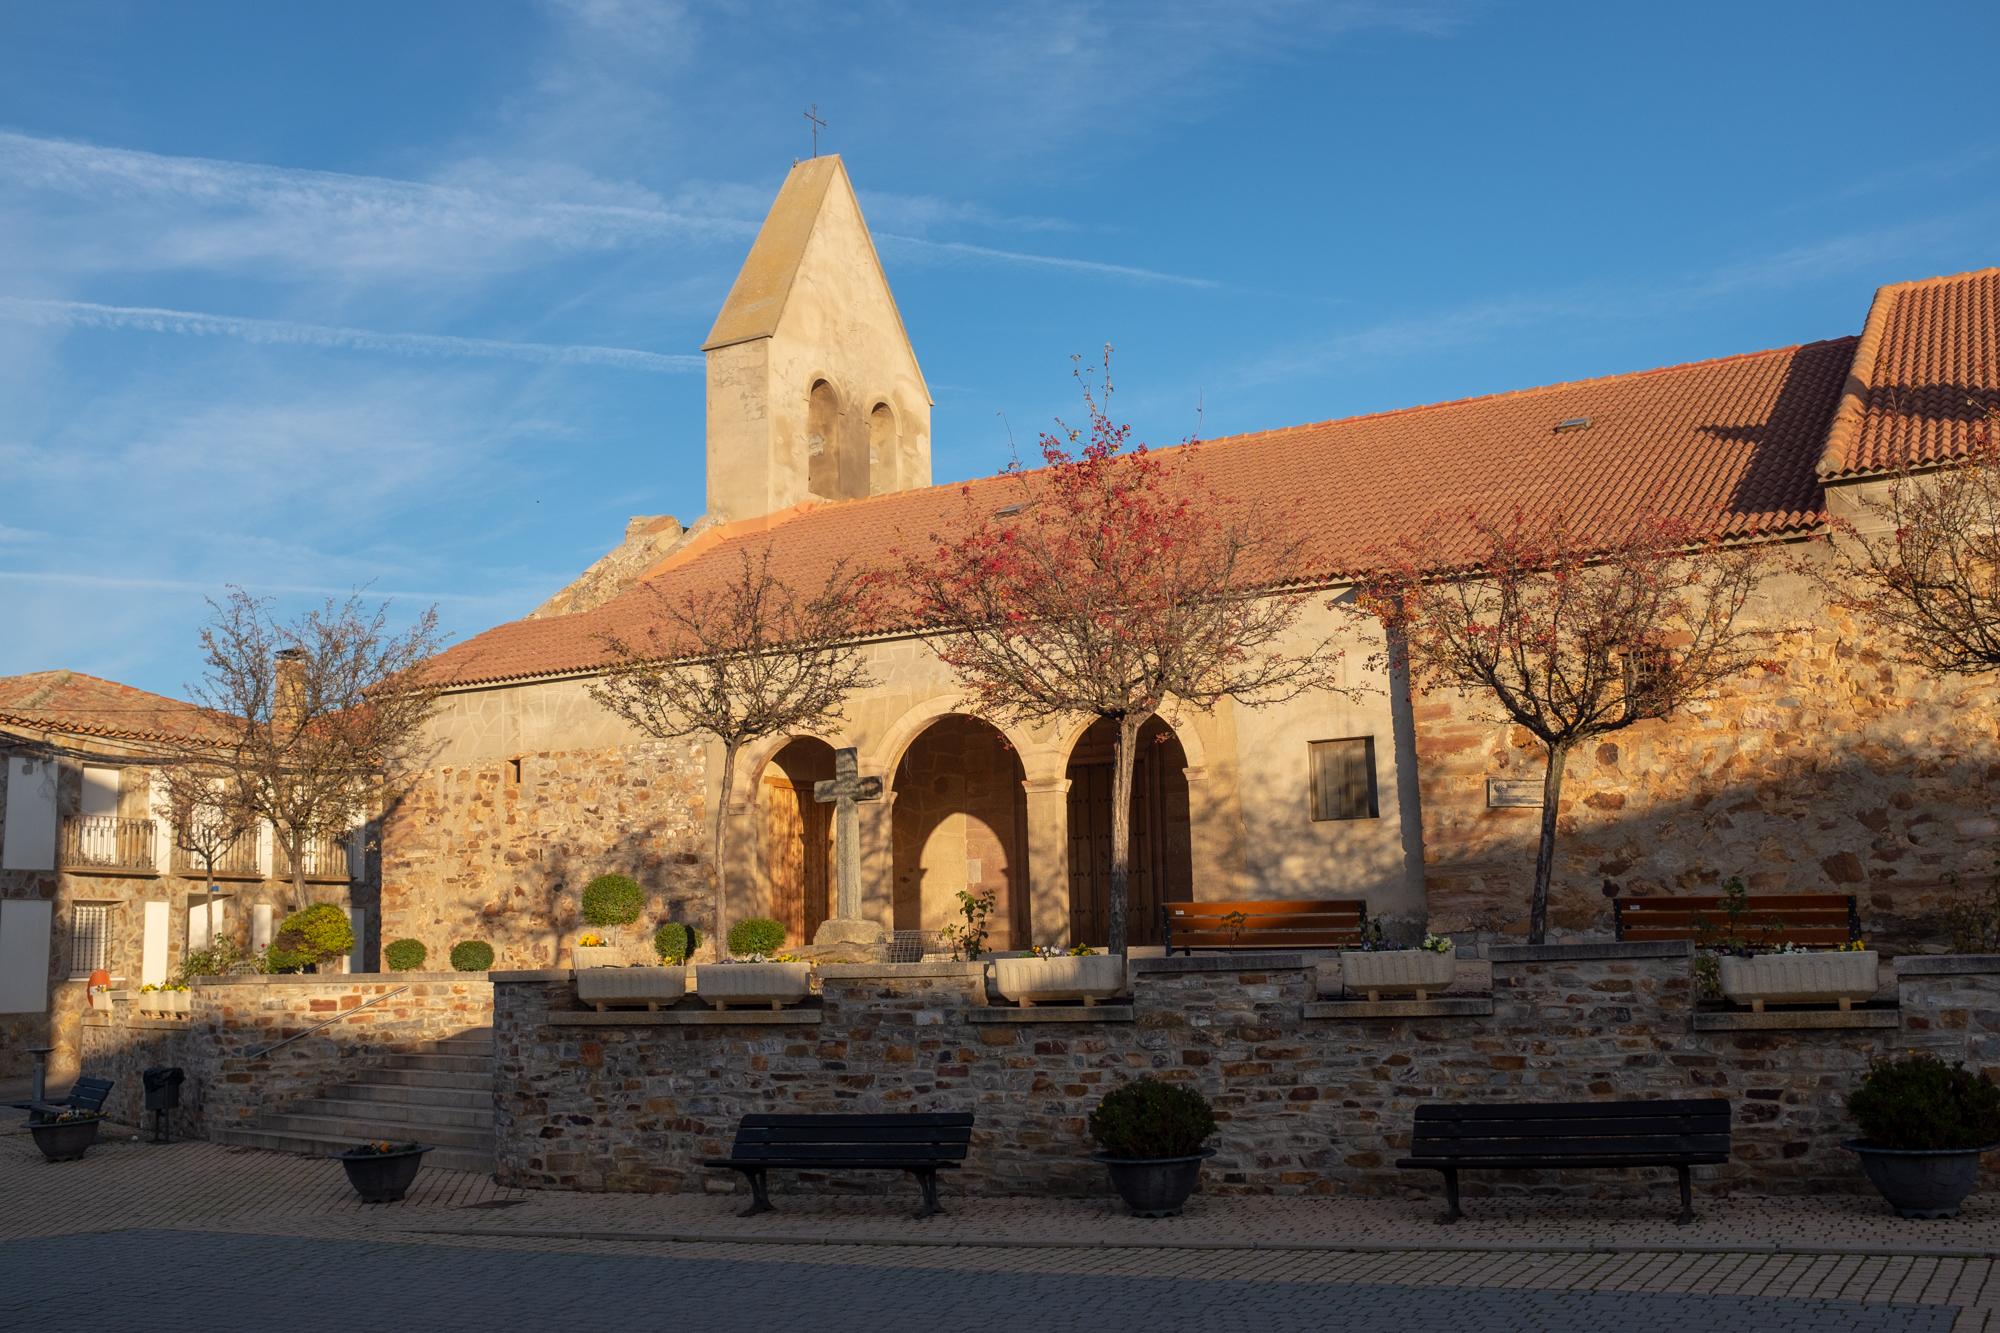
[[814, 392]]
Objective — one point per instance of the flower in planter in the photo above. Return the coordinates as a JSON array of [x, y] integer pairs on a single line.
[[381, 1148], [591, 941], [780, 957], [1435, 943], [1052, 951], [72, 1117]]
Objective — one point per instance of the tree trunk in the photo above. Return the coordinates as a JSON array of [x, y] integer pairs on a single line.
[[1545, 854], [294, 848], [1122, 759], [720, 846]]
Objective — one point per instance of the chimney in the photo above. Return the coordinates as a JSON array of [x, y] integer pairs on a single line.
[[288, 691]]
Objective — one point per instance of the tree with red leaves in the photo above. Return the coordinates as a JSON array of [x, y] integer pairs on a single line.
[[1921, 564], [1571, 634], [1109, 582]]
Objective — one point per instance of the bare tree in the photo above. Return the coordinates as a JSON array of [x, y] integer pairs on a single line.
[[1111, 581], [321, 716], [1922, 566], [1571, 635], [207, 817], [740, 661]]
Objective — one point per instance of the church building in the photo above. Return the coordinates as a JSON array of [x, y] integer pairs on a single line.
[[1837, 770]]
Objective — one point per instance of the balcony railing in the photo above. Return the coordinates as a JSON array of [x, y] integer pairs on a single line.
[[239, 861], [324, 858], [106, 842]]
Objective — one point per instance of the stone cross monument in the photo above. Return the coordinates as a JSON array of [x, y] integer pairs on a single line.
[[844, 790]]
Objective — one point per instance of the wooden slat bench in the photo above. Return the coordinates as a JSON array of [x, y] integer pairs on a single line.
[[1535, 1136], [86, 1094], [1304, 923], [1824, 919], [920, 1143]]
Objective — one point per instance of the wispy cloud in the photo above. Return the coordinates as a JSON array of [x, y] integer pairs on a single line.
[[141, 583], [8, 534], [965, 250], [147, 319]]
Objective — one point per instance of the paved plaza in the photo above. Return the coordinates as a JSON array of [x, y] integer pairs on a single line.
[[193, 1236]]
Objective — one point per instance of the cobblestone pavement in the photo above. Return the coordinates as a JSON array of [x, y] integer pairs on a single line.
[[195, 1236]]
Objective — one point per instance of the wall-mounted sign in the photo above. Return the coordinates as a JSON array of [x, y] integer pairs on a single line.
[[1513, 793]]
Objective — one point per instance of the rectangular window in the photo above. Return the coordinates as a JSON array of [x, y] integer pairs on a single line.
[[100, 792], [89, 929], [1343, 779]]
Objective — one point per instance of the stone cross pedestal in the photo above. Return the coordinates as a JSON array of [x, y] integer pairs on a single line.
[[844, 790]]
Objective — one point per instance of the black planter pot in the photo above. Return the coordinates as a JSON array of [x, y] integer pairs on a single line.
[[1154, 1186], [382, 1177], [64, 1140], [1921, 1182]]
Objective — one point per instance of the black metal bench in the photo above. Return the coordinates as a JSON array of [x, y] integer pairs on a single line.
[[1533, 1136], [920, 1143], [86, 1094]]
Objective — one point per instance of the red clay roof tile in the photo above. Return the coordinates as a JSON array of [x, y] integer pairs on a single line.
[[73, 703]]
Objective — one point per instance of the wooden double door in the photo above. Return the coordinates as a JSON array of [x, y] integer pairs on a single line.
[[1161, 849], [798, 833]]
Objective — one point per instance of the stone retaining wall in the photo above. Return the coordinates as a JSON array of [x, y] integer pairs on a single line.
[[233, 1020], [1314, 1096]]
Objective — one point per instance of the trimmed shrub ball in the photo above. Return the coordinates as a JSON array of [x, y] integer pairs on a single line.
[[757, 934], [308, 936], [1148, 1118], [613, 900], [405, 955], [673, 942], [471, 956]]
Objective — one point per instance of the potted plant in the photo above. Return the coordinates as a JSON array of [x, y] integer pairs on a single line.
[[1152, 1137], [1788, 974], [757, 973], [381, 1171], [150, 1000], [65, 1135], [1377, 967], [1924, 1124], [1048, 973], [179, 1001], [592, 950], [639, 984]]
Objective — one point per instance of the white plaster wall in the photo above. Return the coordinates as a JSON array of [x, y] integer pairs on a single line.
[[28, 841]]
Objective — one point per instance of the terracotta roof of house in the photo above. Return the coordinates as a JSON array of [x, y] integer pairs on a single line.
[[1926, 375], [73, 703], [1729, 446]]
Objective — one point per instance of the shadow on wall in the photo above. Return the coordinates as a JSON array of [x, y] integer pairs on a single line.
[[538, 920], [1889, 830]]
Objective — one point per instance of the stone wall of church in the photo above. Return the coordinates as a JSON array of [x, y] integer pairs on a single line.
[[1313, 1096], [500, 848], [1836, 771]]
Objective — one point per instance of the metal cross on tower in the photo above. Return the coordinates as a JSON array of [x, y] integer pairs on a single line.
[[812, 114]]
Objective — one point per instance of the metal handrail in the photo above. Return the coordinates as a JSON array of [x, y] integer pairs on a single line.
[[326, 1022]]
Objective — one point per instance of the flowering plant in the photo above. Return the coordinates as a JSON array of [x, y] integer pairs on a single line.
[[780, 957], [149, 988], [590, 941], [72, 1116], [1435, 943], [1054, 951], [382, 1148]]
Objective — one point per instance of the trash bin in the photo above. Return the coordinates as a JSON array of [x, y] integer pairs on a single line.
[[163, 1094]]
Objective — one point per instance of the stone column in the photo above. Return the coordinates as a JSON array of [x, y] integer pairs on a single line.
[[1215, 839], [1048, 858], [878, 857]]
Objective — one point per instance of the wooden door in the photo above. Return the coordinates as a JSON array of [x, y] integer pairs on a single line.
[[1090, 853], [798, 848]]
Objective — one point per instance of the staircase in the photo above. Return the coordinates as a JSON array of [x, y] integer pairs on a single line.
[[439, 1094]]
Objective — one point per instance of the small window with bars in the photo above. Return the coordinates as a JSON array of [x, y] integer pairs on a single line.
[[1343, 779], [89, 930]]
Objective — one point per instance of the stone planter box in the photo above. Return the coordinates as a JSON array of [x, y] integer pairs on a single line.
[[152, 1003], [600, 955], [179, 1004], [606, 987], [1421, 972], [775, 984], [1089, 979], [1799, 978]]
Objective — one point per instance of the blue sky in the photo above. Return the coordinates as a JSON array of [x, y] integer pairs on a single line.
[[308, 297]]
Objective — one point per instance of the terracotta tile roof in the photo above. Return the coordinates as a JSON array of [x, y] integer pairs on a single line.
[[1925, 376], [72, 703], [1727, 445]]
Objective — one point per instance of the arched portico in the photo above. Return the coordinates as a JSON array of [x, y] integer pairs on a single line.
[[959, 823], [795, 836]]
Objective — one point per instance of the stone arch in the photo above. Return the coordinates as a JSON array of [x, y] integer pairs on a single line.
[[887, 752], [794, 835], [958, 821], [1162, 867], [823, 440], [884, 450], [1178, 718]]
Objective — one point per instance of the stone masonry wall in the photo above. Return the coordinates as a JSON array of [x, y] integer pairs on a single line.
[[1837, 771], [234, 1018], [1308, 1102], [474, 853]]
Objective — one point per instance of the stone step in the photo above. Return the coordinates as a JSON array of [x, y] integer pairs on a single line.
[[477, 1161], [411, 1094], [444, 1064], [478, 1050], [338, 1108], [435, 1078], [352, 1129]]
